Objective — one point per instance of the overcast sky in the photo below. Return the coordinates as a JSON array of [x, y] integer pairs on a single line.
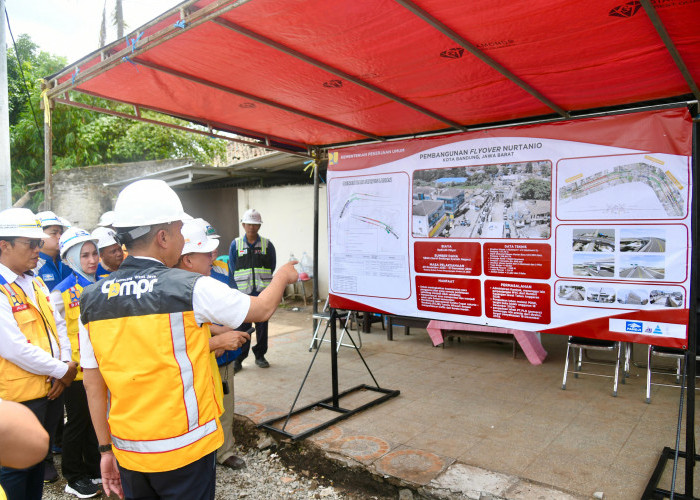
[[71, 28]]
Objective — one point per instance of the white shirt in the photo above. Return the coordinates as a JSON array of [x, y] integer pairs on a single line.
[[13, 344], [212, 302]]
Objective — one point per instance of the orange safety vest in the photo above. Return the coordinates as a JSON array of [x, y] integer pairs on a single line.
[[155, 361], [36, 322], [71, 288]]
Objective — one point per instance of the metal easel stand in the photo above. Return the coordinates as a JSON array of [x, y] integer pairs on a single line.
[[333, 402], [653, 491]]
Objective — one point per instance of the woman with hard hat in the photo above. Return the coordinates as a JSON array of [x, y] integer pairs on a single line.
[[50, 268], [80, 457], [111, 253], [34, 356]]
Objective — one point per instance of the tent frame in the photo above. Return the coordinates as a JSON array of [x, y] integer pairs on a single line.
[[191, 17]]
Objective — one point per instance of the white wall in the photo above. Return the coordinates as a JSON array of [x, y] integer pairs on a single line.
[[288, 221]]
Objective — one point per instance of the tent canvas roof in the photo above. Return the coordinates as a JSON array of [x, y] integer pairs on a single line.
[[295, 74]]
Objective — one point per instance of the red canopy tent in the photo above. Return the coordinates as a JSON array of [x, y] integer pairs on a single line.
[[304, 73]]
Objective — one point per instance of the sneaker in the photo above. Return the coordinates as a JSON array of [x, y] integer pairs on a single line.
[[262, 362], [237, 366], [96, 480], [50, 474], [83, 488]]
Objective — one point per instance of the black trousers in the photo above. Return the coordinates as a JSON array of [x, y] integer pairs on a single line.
[[195, 481], [260, 347], [28, 484], [80, 457]]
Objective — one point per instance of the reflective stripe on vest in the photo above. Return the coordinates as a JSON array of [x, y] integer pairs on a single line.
[[165, 445], [155, 359], [177, 331], [248, 274], [17, 384]]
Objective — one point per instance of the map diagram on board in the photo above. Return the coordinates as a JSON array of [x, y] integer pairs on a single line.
[[369, 230], [623, 187]]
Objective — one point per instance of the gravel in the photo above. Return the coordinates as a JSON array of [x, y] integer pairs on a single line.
[[264, 478]]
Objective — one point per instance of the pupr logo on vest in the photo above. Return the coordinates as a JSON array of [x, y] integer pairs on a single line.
[[128, 287]]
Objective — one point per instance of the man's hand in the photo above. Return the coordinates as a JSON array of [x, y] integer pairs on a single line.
[[70, 374], [288, 272], [229, 341], [111, 480], [56, 390]]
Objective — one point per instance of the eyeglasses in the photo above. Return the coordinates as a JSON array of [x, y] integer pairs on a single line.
[[32, 244]]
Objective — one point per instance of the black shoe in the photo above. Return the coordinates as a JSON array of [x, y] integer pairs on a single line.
[[237, 366], [262, 362], [50, 474], [83, 488]]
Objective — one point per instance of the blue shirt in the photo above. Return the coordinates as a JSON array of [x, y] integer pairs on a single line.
[[50, 272], [101, 272]]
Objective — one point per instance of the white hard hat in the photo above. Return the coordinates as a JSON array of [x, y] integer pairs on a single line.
[[105, 237], [71, 237], [20, 222], [145, 203], [196, 239], [208, 228], [65, 222], [251, 216], [49, 218], [106, 219]]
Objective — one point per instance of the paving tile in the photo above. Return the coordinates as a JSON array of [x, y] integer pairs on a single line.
[[410, 464]]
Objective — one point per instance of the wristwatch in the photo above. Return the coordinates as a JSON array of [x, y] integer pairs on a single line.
[[104, 448]]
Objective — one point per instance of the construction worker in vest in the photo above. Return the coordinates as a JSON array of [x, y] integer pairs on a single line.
[[144, 338], [80, 458], [111, 254], [197, 257], [50, 268], [35, 360], [251, 262]]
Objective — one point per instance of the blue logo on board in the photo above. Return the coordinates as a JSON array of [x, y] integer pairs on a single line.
[[657, 330], [633, 326]]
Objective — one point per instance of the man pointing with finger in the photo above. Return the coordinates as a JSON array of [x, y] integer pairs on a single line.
[[143, 339]]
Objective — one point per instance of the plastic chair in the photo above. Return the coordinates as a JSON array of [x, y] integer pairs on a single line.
[[664, 352], [584, 344], [346, 317]]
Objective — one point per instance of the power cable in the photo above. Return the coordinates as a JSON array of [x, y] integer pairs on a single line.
[[24, 80]]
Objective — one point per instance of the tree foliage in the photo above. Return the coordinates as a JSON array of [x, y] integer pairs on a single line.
[[81, 137], [535, 189]]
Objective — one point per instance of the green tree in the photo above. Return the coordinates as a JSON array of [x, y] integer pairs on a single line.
[[535, 189], [81, 137]]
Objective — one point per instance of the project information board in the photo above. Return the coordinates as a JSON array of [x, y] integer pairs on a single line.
[[578, 228]]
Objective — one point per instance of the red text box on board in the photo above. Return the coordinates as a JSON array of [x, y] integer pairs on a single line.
[[447, 257], [526, 302], [449, 295], [525, 260]]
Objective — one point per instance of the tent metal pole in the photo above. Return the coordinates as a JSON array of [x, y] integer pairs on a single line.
[[314, 307], [195, 19], [252, 97], [330, 69], [691, 353], [480, 55], [670, 46], [139, 118], [48, 150]]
